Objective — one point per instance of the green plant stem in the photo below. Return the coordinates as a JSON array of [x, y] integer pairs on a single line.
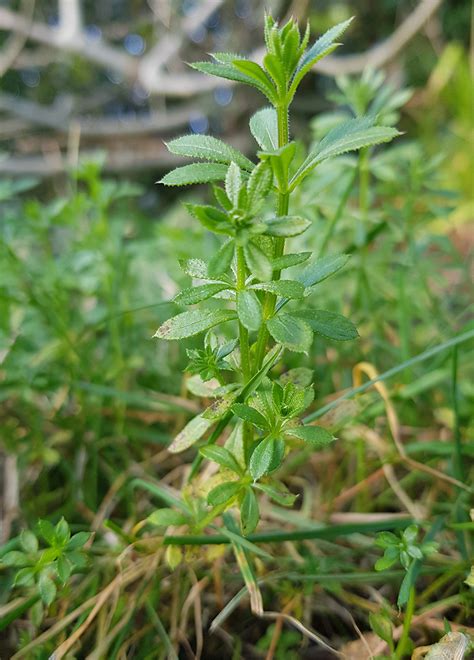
[[243, 332], [247, 432], [283, 203], [403, 642]]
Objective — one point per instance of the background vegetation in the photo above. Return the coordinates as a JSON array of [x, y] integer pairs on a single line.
[[89, 250]]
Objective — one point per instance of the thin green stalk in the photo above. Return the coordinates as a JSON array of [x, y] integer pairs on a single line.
[[403, 642], [243, 332], [283, 203]]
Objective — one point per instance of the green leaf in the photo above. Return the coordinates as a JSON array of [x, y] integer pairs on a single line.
[[249, 513], [289, 260], [280, 159], [208, 148], [15, 558], [258, 187], [195, 173], [407, 582], [322, 47], [264, 128], [210, 217], [221, 261], [195, 294], [78, 541], [222, 70], [47, 589], [62, 532], [328, 324], [63, 568], [249, 310], [192, 432], [276, 70], [384, 562], [219, 407], [262, 458], [249, 414], [351, 135], [221, 456], [293, 333], [319, 270], [222, 198], [315, 436], [24, 577], [278, 495], [28, 541], [258, 75], [223, 493], [299, 376], [258, 262], [284, 288], [233, 183], [47, 531], [167, 518], [381, 627], [289, 225], [192, 323], [195, 268]]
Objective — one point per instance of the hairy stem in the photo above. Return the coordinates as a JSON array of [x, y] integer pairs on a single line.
[[247, 433], [243, 332], [283, 202]]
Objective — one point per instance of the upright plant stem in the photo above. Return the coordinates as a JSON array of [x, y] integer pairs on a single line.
[[283, 202], [243, 332], [247, 433], [402, 644]]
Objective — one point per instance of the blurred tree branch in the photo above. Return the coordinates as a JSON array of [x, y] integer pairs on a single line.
[[155, 72]]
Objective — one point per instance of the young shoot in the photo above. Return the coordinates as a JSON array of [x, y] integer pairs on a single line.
[[268, 312]]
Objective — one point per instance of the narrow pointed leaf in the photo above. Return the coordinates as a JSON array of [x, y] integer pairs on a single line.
[[249, 310], [208, 148], [315, 436], [223, 493], [195, 173], [319, 270], [264, 128], [292, 332], [249, 414], [262, 458], [221, 456], [289, 225], [349, 136], [289, 260], [192, 432], [167, 517], [284, 288], [249, 513], [329, 324], [192, 323], [233, 182], [221, 261], [258, 262], [195, 294]]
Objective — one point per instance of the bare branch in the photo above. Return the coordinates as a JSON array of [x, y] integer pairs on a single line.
[[16, 41], [70, 20], [58, 117]]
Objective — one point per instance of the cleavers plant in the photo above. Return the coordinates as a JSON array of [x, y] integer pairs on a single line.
[[244, 278]]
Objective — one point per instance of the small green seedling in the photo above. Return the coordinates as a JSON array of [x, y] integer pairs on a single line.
[[42, 569], [251, 213]]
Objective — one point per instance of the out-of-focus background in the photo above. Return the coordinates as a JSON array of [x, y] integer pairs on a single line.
[[89, 250]]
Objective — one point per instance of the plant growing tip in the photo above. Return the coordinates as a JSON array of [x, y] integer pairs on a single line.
[[245, 277]]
